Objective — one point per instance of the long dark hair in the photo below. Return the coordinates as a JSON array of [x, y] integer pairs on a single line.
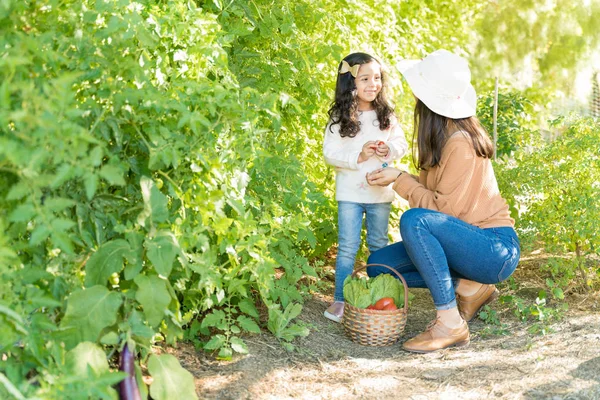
[[344, 109], [431, 135]]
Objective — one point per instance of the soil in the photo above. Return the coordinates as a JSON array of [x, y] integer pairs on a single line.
[[559, 359]]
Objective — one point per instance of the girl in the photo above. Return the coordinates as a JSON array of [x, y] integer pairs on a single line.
[[361, 136], [458, 236]]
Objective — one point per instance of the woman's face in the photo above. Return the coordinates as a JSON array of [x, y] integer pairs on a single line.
[[368, 84]]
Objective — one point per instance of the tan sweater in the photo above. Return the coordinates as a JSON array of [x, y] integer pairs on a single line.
[[462, 185]]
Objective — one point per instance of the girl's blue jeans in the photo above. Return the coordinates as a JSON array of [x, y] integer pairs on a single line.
[[437, 249], [350, 217]]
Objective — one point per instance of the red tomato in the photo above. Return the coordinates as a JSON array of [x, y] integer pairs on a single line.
[[381, 303], [371, 307], [390, 306]]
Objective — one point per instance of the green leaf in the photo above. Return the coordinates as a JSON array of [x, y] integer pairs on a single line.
[[96, 156], [225, 353], [57, 204], [247, 307], [558, 293], [106, 261], [83, 355], [63, 174], [89, 311], [134, 257], [39, 234], [161, 251], [248, 324], [153, 296], [112, 174], [155, 203], [139, 327], [215, 342], [63, 241], [90, 181], [169, 380], [111, 338], [22, 213], [18, 191], [295, 330], [385, 285], [238, 345], [216, 319], [356, 292]]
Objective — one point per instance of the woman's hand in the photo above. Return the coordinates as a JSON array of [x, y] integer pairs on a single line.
[[383, 176], [367, 152]]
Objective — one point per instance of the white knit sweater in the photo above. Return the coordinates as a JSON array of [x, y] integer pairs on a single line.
[[343, 152]]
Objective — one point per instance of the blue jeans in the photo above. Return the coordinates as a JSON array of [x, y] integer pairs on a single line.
[[438, 249], [350, 217]]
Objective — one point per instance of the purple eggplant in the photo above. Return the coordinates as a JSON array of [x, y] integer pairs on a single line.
[[128, 387]]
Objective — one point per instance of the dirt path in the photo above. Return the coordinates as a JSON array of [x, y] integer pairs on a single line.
[[564, 364]]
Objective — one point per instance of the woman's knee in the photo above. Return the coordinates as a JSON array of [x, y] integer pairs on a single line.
[[411, 219], [375, 270]]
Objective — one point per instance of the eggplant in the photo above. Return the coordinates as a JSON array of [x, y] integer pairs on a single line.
[[128, 388]]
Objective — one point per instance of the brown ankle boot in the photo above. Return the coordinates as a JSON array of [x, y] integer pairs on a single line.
[[438, 336], [469, 306]]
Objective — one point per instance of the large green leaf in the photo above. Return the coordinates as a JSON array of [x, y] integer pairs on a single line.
[[169, 380], [155, 203], [86, 354], [89, 311], [161, 251], [104, 262], [154, 296]]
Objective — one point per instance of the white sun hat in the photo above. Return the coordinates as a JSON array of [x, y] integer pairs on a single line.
[[442, 81]]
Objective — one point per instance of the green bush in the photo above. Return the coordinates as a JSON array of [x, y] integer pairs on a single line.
[[553, 192], [517, 128]]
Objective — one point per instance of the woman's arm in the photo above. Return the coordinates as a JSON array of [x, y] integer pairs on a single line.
[[452, 185]]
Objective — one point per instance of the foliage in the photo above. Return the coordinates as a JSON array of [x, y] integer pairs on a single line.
[[551, 38], [515, 122], [553, 191], [141, 187], [161, 174]]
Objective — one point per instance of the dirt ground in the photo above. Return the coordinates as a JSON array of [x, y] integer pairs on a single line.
[[512, 363]]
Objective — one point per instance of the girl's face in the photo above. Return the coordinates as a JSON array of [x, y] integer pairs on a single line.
[[368, 84]]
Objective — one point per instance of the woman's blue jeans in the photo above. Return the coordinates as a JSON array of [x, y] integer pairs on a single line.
[[437, 249], [350, 217]]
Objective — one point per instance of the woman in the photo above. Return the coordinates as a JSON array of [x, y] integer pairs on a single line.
[[458, 238]]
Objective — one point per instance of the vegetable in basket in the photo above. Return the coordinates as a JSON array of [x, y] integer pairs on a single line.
[[362, 292]]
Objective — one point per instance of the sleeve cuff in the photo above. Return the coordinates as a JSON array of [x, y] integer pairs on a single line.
[[404, 184]]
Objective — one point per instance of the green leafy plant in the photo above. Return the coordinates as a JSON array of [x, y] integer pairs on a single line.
[[281, 327], [551, 192]]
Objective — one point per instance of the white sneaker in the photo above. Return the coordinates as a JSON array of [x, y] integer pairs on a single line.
[[335, 312]]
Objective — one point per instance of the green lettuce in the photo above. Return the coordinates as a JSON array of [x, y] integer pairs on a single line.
[[362, 292], [385, 285], [356, 292]]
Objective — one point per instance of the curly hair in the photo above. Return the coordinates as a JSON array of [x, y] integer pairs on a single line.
[[344, 108]]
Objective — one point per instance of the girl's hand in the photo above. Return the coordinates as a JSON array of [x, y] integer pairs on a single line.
[[382, 149], [383, 176], [368, 150]]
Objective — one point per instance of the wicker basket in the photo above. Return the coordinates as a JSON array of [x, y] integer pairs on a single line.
[[375, 327]]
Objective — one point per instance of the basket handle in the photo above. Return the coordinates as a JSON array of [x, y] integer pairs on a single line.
[[395, 272]]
